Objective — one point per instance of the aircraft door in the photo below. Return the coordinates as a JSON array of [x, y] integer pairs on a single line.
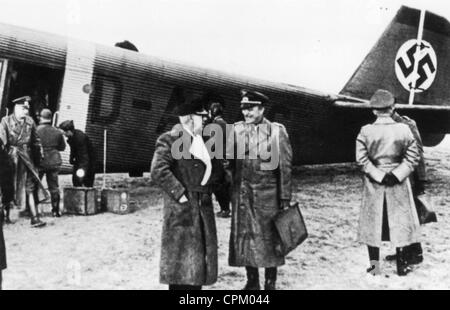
[[3, 72]]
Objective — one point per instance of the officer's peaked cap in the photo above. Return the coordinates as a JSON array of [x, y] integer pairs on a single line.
[[25, 101], [252, 98]]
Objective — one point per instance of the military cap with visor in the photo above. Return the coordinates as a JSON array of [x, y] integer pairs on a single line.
[[24, 101], [252, 98]]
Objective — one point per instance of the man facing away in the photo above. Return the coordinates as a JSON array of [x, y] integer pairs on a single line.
[[418, 179], [387, 153], [53, 142]]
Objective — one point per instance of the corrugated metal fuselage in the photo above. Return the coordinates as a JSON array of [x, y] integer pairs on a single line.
[[132, 95]]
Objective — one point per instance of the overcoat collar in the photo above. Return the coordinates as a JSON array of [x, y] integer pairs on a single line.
[[383, 120]]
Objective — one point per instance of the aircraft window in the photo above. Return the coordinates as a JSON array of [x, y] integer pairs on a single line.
[[107, 103], [87, 88], [107, 99], [142, 104]]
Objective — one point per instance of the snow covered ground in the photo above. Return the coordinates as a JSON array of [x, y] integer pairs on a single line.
[[109, 251]]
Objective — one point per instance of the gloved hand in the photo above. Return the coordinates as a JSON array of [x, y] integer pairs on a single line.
[[390, 180], [419, 187], [285, 204]]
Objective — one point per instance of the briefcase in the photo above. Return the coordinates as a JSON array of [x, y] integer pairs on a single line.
[[82, 201], [117, 201], [424, 209], [291, 229]]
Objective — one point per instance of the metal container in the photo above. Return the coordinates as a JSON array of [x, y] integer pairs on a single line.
[[117, 201]]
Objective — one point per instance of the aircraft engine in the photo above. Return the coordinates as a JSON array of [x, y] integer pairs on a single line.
[[431, 140]]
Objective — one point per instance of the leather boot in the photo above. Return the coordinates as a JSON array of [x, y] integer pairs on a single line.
[[252, 279], [374, 268], [7, 218], [415, 254], [55, 204], [36, 222], [391, 257], [402, 264], [271, 279]]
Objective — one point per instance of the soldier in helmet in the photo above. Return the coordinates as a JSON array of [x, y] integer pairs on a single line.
[[259, 159], [387, 153], [82, 155], [52, 142], [25, 154]]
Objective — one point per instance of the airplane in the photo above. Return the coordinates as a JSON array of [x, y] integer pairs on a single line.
[[132, 95]]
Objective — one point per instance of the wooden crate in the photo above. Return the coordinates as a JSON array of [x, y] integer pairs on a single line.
[[82, 201]]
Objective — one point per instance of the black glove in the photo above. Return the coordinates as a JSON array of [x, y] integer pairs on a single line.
[[419, 188], [37, 157], [2, 146], [390, 180]]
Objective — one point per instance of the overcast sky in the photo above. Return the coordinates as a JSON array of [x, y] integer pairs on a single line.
[[315, 44]]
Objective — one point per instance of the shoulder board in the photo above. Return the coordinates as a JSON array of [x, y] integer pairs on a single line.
[[365, 127], [29, 120], [278, 124], [410, 120], [406, 118]]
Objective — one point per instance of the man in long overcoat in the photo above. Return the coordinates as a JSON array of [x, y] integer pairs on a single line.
[[25, 153], [182, 167], [387, 153], [418, 179], [259, 158]]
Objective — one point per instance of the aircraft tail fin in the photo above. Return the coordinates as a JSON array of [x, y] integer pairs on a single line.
[[391, 64]]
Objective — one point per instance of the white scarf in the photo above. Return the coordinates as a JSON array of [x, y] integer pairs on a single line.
[[198, 150]]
